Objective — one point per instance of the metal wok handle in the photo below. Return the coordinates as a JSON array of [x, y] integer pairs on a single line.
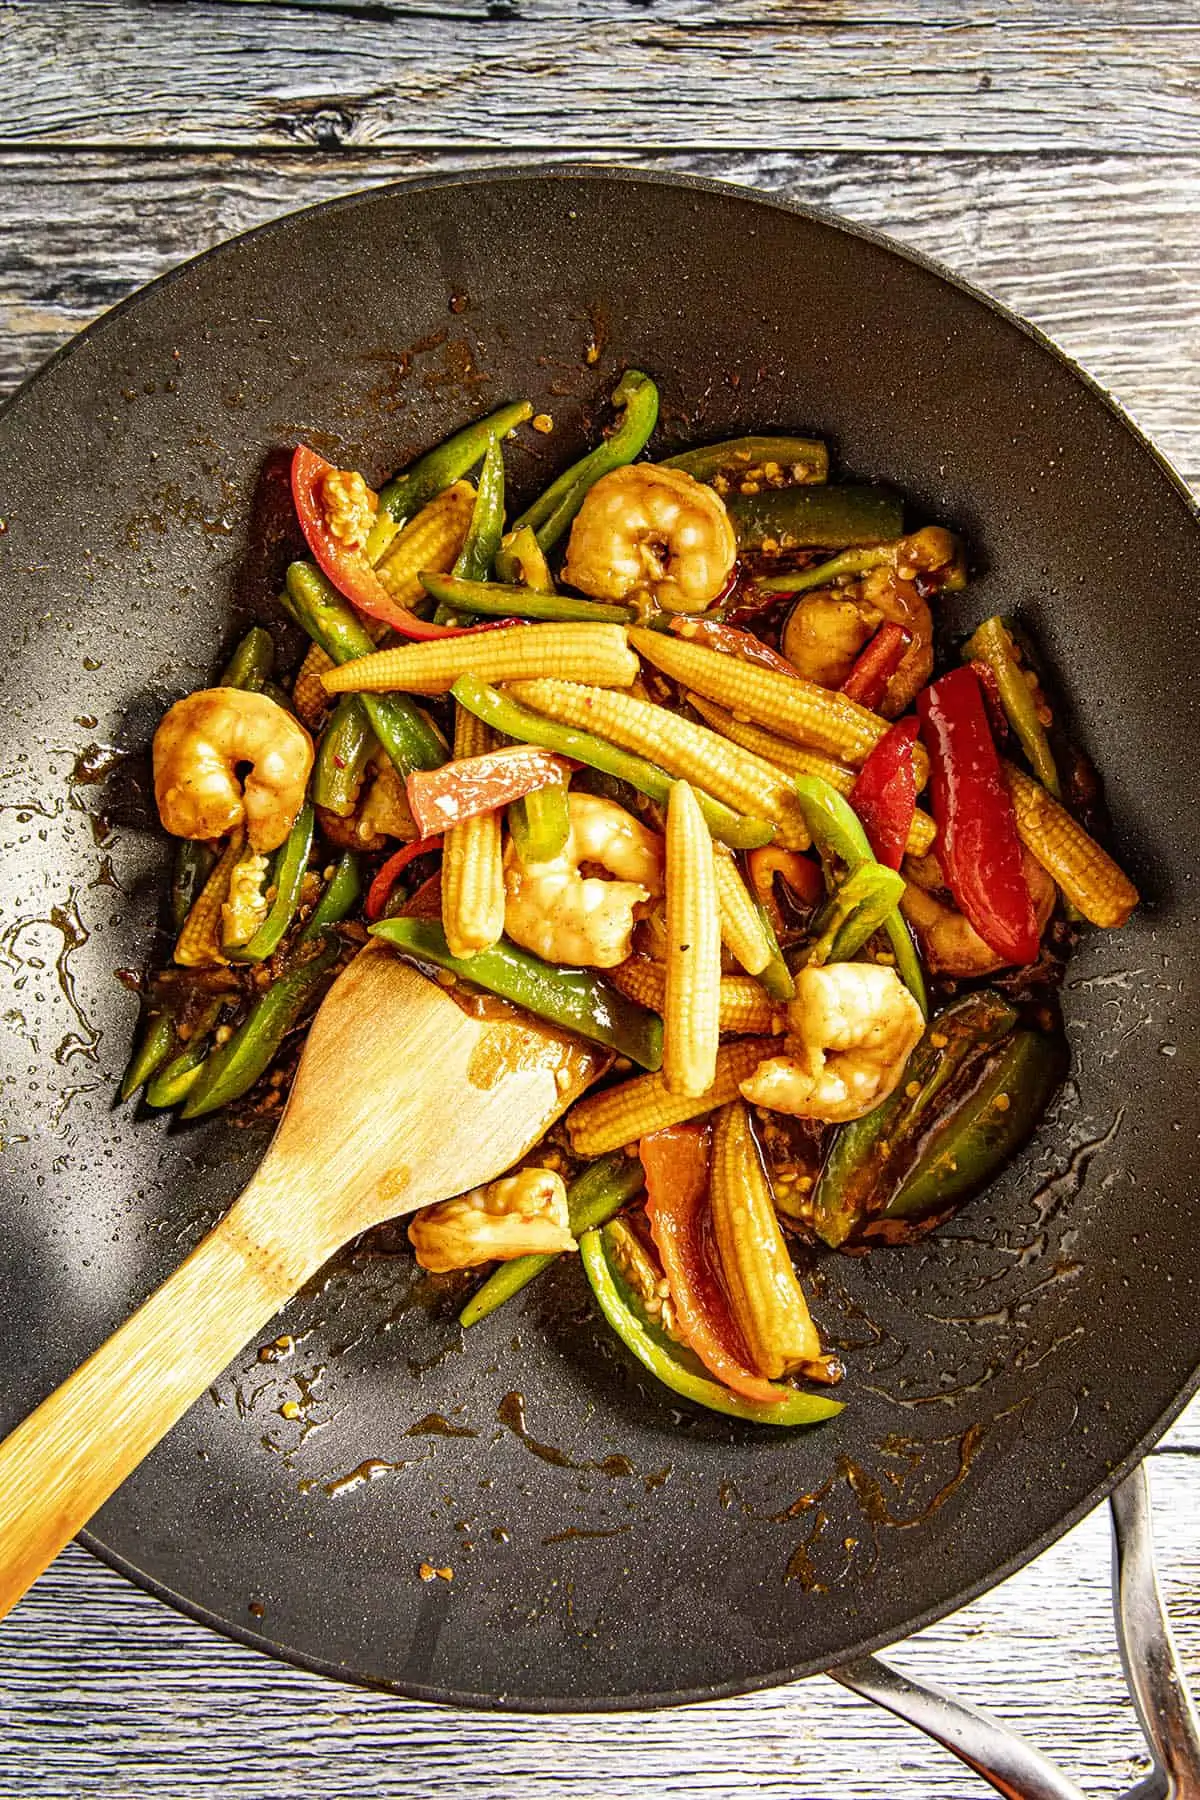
[[1160, 1696]]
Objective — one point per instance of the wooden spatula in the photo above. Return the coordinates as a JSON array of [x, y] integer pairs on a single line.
[[401, 1098]]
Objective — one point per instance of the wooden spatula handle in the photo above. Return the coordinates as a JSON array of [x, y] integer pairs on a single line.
[[64, 1461]]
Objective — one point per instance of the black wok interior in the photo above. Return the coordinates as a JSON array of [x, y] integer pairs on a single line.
[[615, 1552]]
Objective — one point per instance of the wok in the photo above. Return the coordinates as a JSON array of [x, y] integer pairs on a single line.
[[606, 1549]]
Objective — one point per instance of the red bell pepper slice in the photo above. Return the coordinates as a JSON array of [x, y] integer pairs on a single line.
[[876, 664], [346, 566], [440, 798], [676, 1165], [729, 641], [977, 841], [379, 892], [885, 794]]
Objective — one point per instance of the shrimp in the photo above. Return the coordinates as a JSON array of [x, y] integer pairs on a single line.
[[648, 530], [949, 942], [568, 917], [199, 747], [851, 1029], [521, 1215]]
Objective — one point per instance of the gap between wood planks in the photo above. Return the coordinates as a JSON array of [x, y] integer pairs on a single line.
[[813, 75]]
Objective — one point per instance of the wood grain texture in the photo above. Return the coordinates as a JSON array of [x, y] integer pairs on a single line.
[[1102, 252], [1045, 148], [605, 72], [105, 1693]]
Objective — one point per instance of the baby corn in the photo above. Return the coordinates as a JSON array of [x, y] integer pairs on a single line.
[[797, 761], [764, 1296], [741, 923], [1087, 875], [691, 1018], [596, 653], [683, 748], [472, 865], [308, 690], [788, 704], [199, 943], [746, 1009], [622, 1115], [430, 541]]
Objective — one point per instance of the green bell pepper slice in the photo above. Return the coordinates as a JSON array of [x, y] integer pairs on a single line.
[[407, 736], [858, 907], [991, 644], [439, 468], [517, 721], [576, 999], [803, 518], [540, 823], [675, 1366], [234, 1067], [288, 879], [636, 399], [504, 600], [837, 832], [803, 460], [601, 1190]]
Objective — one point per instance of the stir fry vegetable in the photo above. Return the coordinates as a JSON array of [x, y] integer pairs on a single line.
[[650, 774]]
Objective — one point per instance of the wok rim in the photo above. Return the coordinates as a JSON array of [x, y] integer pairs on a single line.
[[636, 175]]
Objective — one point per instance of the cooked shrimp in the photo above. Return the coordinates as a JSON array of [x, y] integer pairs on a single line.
[[851, 1028], [564, 916], [521, 1215], [199, 748], [949, 942], [824, 633], [647, 530]]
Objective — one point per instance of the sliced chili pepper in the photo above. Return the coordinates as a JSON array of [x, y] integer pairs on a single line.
[[676, 1165], [858, 907], [838, 834], [232, 1069], [380, 890], [997, 717], [995, 1121], [288, 879], [729, 641], [870, 1157], [876, 664], [885, 794], [674, 1365], [977, 840], [440, 798], [636, 399], [990, 647], [152, 1051], [344, 565], [601, 1190], [447, 463], [775, 461], [577, 999]]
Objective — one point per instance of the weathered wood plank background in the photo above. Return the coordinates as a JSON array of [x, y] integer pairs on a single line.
[[1049, 149]]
